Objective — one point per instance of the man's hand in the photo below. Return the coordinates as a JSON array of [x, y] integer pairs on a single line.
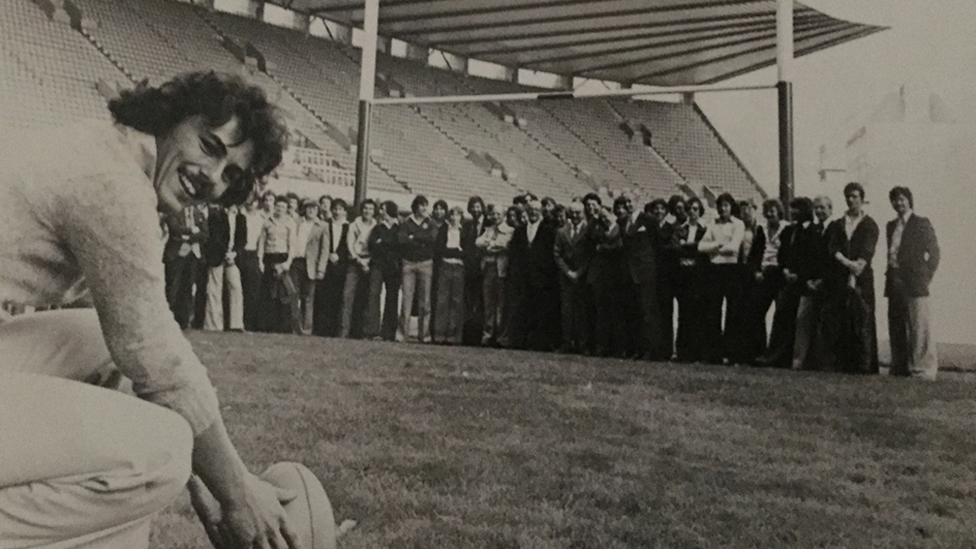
[[257, 522]]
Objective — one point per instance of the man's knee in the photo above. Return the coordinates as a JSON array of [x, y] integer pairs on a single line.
[[171, 473]]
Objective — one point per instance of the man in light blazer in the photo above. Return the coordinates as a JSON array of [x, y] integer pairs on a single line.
[[913, 257], [310, 268]]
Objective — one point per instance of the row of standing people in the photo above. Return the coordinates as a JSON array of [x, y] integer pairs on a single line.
[[586, 277]]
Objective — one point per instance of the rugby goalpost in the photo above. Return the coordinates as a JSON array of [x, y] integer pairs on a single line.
[[783, 86]]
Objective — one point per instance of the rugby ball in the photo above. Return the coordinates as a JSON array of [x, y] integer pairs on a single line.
[[310, 513]]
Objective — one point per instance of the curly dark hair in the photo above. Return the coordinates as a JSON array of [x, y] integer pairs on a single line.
[[726, 197], [217, 97]]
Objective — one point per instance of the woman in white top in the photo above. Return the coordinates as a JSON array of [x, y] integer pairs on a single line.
[[81, 465]]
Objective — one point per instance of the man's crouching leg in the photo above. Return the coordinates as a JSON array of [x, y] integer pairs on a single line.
[[83, 466]]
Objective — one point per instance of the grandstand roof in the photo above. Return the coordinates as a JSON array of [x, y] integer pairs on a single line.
[[655, 42]]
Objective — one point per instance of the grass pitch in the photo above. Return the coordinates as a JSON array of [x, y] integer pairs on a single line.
[[440, 447]]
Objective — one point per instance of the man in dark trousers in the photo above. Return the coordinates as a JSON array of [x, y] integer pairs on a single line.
[[665, 257], [606, 276], [636, 230], [568, 253], [473, 277], [183, 257], [913, 257], [328, 294], [532, 247]]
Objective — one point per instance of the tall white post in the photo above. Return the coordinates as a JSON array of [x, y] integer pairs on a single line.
[[367, 75], [367, 85], [784, 40]]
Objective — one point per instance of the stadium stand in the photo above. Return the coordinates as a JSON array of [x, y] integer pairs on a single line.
[[599, 128], [48, 72], [552, 135], [690, 144], [523, 162], [52, 73], [324, 75]]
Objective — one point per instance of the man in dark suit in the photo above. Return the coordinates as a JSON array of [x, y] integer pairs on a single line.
[[328, 294], [473, 277], [568, 252], [636, 230], [913, 257], [799, 260], [607, 277], [850, 338], [532, 246], [661, 232], [182, 257], [225, 243]]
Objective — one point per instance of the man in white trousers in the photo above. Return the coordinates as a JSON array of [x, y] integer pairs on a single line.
[[83, 466]]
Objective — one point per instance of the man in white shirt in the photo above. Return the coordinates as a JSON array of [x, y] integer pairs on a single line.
[[721, 243], [357, 242], [913, 257], [276, 250]]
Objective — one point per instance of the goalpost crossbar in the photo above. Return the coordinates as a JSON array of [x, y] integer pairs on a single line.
[[557, 95]]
